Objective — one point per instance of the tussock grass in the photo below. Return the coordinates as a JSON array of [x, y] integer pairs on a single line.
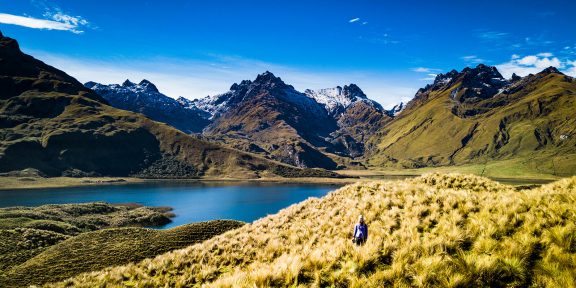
[[433, 231]]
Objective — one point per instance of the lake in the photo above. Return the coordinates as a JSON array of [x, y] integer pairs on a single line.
[[192, 201]]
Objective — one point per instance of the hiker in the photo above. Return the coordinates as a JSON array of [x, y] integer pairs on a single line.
[[360, 232]]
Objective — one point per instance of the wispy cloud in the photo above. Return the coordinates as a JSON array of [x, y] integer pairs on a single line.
[[430, 77], [425, 70], [492, 35], [354, 20], [56, 21], [195, 79], [532, 64], [473, 59]]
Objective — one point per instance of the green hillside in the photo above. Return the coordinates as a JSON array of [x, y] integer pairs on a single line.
[[109, 247], [532, 126], [432, 231], [28, 231]]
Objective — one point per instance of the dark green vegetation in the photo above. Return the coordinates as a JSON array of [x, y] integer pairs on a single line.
[[109, 247], [26, 232], [50, 122], [530, 127]]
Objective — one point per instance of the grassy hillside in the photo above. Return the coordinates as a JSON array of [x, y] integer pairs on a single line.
[[533, 124], [109, 247], [432, 231], [27, 231]]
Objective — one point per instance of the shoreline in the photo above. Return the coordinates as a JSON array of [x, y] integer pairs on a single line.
[[8, 183]]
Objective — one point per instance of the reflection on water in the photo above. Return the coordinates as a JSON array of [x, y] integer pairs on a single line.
[[192, 201]]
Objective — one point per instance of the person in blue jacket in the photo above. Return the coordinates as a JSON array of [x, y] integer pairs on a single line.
[[360, 232]]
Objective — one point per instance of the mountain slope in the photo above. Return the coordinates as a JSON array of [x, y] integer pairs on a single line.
[[357, 117], [323, 128], [270, 116], [145, 98], [50, 122], [432, 231], [475, 116]]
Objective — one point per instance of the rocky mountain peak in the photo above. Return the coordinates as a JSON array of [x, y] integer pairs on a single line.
[[352, 91], [551, 70], [481, 82], [267, 78], [90, 84], [10, 46], [236, 86], [482, 73], [128, 83], [442, 79], [515, 78], [147, 85]]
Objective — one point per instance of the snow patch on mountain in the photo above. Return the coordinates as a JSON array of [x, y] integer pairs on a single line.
[[145, 98], [337, 99]]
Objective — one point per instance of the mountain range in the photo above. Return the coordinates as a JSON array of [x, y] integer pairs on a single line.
[[52, 123], [325, 128], [265, 127]]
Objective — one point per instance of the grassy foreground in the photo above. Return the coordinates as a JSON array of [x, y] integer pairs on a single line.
[[432, 231]]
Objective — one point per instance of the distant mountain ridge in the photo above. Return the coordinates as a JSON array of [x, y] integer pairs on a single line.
[[464, 117], [145, 98], [319, 128]]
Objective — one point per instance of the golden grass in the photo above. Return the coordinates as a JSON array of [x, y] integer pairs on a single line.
[[432, 231]]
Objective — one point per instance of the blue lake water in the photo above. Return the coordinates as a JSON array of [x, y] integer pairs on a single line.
[[192, 201]]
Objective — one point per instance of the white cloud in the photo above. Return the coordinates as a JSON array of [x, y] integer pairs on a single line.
[[354, 20], [431, 77], [545, 54], [473, 59], [58, 21], [195, 79], [425, 70], [532, 64]]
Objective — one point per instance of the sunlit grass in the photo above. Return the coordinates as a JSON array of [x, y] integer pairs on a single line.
[[433, 231]]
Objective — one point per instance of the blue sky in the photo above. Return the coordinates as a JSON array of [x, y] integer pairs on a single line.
[[196, 48]]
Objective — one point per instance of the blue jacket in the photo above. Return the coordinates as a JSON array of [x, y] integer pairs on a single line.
[[361, 231]]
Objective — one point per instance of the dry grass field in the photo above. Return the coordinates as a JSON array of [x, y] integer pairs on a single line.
[[438, 230]]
